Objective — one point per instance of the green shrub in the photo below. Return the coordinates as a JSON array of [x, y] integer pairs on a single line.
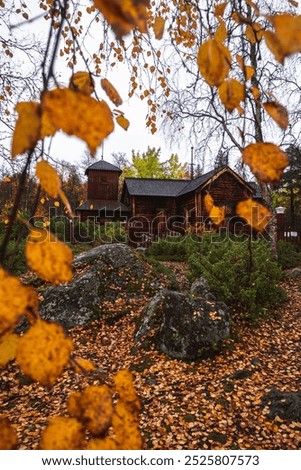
[[243, 274], [171, 248], [289, 255], [113, 232], [15, 261]]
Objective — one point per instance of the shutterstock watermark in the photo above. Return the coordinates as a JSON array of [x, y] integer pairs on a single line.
[[110, 227]]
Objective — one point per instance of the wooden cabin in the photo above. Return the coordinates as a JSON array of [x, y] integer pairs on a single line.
[[155, 208]]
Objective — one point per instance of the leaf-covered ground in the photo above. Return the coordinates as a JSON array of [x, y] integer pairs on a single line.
[[211, 404]]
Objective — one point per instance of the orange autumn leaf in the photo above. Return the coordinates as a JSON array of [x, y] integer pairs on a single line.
[[43, 352], [255, 92], [286, 40], [254, 32], [8, 348], [214, 61], [123, 122], [277, 112], [93, 407], [106, 443], [16, 300], [26, 136], [221, 32], [8, 435], [123, 16], [219, 9], [82, 81], [126, 427], [63, 433], [158, 27], [48, 257], [231, 93], [247, 70], [124, 384], [76, 114], [217, 215], [51, 183], [209, 202], [111, 91], [82, 365], [49, 178], [255, 214], [266, 161]]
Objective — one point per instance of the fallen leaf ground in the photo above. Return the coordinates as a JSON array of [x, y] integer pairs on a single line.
[[210, 404]]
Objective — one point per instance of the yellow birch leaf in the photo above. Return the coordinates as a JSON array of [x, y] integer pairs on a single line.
[[277, 112], [111, 91], [275, 46], [76, 114], [63, 433], [217, 215], [247, 70], [43, 352], [8, 348], [287, 37], [48, 257], [8, 435], [66, 203], [158, 27], [125, 425], [266, 161], [231, 93], [82, 81], [93, 407], [219, 9], [49, 178], [254, 32], [124, 384], [16, 300], [255, 92], [123, 16], [209, 202], [256, 215], [27, 130], [221, 32], [83, 365], [214, 61], [106, 443], [123, 122]]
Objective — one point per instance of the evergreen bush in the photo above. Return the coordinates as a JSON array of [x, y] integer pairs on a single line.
[[243, 273]]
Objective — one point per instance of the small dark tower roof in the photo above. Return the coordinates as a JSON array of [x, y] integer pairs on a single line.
[[102, 165]]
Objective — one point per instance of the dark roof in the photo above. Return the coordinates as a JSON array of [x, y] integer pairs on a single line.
[[192, 185], [103, 166], [154, 187], [165, 187], [257, 194], [97, 205]]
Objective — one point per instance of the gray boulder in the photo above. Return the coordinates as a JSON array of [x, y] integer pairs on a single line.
[[182, 326], [200, 288], [104, 273], [285, 405]]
